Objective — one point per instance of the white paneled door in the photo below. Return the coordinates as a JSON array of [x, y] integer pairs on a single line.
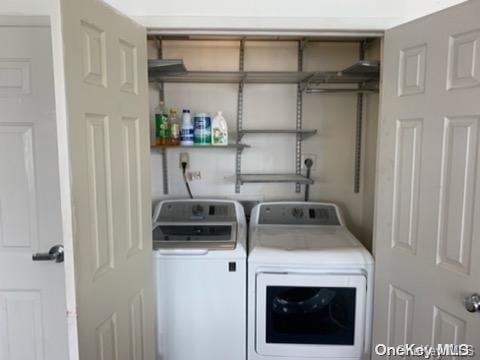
[[101, 82], [33, 322], [427, 237]]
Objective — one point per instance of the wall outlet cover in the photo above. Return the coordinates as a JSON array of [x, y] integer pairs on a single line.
[[184, 157], [197, 175], [193, 175]]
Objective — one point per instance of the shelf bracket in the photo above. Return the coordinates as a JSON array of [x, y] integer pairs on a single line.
[[161, 96], [161, 90], [303, 43], [299, 115], [306, 82], [359, 129], [238, 156]]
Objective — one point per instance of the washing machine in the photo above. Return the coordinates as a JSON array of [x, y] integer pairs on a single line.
[[310, 284], [200, 276]]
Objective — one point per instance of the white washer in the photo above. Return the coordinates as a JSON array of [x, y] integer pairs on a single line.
[[200, 274], [310, 285]]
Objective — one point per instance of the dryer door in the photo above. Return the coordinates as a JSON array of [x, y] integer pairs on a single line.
[[310, 315]]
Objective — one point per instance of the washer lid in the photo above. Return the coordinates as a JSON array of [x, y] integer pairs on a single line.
[[194, 236], [315, 245]]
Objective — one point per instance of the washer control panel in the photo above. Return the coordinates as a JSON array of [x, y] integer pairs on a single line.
[[298, 214], [211, 211]]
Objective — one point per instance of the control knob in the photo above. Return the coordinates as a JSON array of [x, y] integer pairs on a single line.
[[197, 210], [297, 212]]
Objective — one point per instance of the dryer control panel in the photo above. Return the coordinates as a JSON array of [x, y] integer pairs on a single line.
[[298, 214]]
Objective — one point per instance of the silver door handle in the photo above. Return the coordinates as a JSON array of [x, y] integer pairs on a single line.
[[55, 254], [472, 303]]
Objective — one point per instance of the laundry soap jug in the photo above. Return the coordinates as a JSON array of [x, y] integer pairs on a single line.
[[219, 130]]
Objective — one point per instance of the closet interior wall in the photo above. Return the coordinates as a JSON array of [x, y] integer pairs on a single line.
[[274, 106]]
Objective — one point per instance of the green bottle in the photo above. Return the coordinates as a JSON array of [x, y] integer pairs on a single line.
[[161, 125]]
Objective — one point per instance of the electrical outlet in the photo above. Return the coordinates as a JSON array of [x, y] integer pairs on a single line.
[[194, 175], [184, 158], [309, 156]]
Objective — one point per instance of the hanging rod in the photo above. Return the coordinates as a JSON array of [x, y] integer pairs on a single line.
[[357, 91]]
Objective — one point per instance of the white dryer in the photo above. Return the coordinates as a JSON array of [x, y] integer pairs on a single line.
[[200, 274], [310, 285]]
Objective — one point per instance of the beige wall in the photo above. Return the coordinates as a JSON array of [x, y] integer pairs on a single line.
[[274, 106]]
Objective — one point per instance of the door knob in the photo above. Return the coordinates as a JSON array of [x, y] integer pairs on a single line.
[[55, 254], [472, 303]]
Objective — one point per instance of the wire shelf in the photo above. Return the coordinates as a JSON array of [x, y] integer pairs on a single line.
[[160, 148], [274, 178], [361, 72], [304, 133]]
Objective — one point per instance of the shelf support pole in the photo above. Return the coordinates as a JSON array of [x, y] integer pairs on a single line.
[[358, 131], [238, 156], [161, 96], [299, 116]]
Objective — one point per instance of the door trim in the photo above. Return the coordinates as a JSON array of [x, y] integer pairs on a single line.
[[66, 202]]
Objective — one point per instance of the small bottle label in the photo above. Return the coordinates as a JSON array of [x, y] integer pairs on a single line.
[[164, 131], [203, 130], [175, 133], [220, 137], [186, 134]]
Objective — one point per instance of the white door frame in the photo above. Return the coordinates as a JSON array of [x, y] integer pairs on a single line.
[[67, 207]]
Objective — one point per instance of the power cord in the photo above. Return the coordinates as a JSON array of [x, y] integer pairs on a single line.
[[184, 173]]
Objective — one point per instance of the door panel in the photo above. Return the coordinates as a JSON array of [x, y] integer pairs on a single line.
[[457, 184], [426, 237], [405, 188], [400, 316], [463, 64], [18, 213], [447, 328], [32, 294], [106, 111], [22, 333], [133, 184]]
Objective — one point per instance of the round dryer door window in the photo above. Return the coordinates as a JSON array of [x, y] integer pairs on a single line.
[[310, 315]]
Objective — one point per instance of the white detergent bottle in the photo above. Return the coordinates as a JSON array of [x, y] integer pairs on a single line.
[[186, 132], [219, 130]]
